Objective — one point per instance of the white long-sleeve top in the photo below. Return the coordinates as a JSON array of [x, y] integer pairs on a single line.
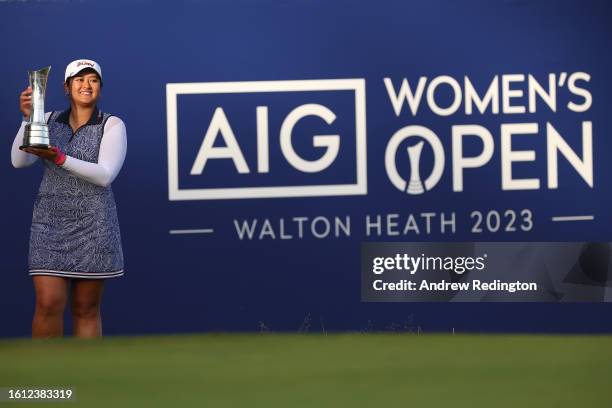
[[111, 156]]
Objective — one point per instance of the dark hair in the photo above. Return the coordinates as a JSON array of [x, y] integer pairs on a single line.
[[82, 72]]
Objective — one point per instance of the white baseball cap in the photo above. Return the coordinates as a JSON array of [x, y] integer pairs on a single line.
[[77, 66]]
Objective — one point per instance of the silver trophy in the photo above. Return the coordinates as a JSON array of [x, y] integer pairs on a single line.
[[415, 185], [36, 130]]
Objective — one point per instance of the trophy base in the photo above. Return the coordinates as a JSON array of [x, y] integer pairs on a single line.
[[38, 146], [36, 135]]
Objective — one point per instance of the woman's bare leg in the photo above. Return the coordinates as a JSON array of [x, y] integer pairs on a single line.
[[51, 295], [86, 300]]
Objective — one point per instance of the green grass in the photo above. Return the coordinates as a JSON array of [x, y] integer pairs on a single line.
[[352, 370]]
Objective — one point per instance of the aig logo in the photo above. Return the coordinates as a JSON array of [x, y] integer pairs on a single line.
[[279, 117]]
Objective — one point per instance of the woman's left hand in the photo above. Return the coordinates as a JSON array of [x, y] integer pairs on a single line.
[[49, 154]]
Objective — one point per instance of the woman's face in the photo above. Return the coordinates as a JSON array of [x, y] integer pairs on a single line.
[[84, 89]]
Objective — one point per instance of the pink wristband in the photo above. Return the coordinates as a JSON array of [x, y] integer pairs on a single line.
[[60, 156]]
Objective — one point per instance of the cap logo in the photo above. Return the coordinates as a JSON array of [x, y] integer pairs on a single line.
[[89, 64]]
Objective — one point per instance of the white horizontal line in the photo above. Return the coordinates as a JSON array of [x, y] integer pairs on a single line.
[[574, 218], [193, 231], [344, 84], [268, 192]]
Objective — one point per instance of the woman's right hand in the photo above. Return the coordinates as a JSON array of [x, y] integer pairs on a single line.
[[25, 102]]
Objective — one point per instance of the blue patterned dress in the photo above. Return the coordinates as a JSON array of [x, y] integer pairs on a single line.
[[75, 230]]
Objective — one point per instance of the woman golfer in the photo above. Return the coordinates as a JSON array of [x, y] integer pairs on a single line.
[[75, 243]]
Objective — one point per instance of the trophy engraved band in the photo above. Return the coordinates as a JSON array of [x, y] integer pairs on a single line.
[[36, 132]]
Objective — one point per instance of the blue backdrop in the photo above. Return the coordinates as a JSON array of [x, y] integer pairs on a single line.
[[215, 281]]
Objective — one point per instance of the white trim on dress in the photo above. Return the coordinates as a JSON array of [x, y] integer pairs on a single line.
[[68, 274]]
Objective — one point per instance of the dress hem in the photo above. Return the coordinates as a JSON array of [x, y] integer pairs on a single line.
[[79, 275]]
